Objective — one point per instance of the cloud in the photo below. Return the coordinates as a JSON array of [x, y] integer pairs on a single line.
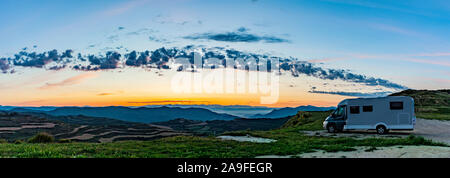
[[309, 69], [428, 61], [142, 31], [110, 61], [105, 94], [437, 54], [395, 29], [4, 65], [425, 58], [33, 59], [354, 94], [405, 8], [164, 58], [240, 35], [157, 39], [322, 60], [70, 81], [110, 93], [124, 7]]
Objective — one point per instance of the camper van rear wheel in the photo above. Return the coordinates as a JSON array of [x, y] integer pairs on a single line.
[[381, 129], [331, 129]]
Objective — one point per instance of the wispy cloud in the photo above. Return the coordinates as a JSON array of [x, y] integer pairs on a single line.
[[354, 94], [70, 81], [105, 94], [430, 61], [436, 54], [381, 6], [124, 7], [322, 60], [424, 58], [110, 93], [397, 30]]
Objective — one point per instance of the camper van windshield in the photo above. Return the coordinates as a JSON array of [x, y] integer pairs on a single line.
[[339, 111]]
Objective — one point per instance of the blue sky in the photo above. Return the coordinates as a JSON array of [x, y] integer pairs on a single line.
[[405, 42]]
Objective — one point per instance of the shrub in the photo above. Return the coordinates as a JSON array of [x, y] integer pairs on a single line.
[[18, 142], [64, 141], [3, 141], [42, 137]]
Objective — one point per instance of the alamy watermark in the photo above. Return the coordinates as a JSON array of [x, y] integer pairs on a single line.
[[228, 76]]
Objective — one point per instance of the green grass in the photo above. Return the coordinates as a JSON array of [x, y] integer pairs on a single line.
[[290, 141], [433, 112], [307, 120]]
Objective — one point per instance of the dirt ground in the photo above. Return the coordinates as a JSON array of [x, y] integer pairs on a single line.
[[435, 130], [384, 152]]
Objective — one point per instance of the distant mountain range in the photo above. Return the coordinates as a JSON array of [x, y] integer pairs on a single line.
[[241, 111], [142, 115], [284, 112], [161, 113]]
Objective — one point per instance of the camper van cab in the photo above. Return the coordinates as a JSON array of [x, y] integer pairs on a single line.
[[380, 114]]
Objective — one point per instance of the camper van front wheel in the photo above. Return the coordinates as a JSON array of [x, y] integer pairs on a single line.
[[331, 129], [381, 129]]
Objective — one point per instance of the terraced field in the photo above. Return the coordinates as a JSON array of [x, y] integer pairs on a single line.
[[15, 126]]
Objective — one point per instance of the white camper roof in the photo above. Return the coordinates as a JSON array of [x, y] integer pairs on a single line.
[[345, 102]]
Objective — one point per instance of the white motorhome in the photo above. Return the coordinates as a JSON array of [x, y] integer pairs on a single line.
[[380, 114]]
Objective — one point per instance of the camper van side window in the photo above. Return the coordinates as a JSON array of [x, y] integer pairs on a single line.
[[367, 108], [354, 109], [396, 105]]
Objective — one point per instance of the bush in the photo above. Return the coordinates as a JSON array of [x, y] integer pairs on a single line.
[[18, 142], [3, 141], [64, 141], [42, 137]]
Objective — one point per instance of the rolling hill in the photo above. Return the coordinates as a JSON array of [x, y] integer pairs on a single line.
[[429, 104], [21, 126], [215, 127]]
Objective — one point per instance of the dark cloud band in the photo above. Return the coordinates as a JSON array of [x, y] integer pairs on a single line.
[[216, 57], [355, 94], [240, 35]]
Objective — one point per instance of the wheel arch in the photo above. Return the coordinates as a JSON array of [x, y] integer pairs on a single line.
[[381, 124]]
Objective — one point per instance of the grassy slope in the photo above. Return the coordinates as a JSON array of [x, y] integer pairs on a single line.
[[430, 104], [290, 142]]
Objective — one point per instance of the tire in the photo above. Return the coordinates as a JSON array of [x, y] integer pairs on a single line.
[[331, 129], [381, 129]]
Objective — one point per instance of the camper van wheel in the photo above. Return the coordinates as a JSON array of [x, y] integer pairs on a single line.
[[331, 129], [381, 129]]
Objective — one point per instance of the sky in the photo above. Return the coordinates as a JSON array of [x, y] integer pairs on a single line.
[[331, 49]]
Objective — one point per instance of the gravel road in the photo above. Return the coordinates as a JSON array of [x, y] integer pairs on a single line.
[[433, 129]]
